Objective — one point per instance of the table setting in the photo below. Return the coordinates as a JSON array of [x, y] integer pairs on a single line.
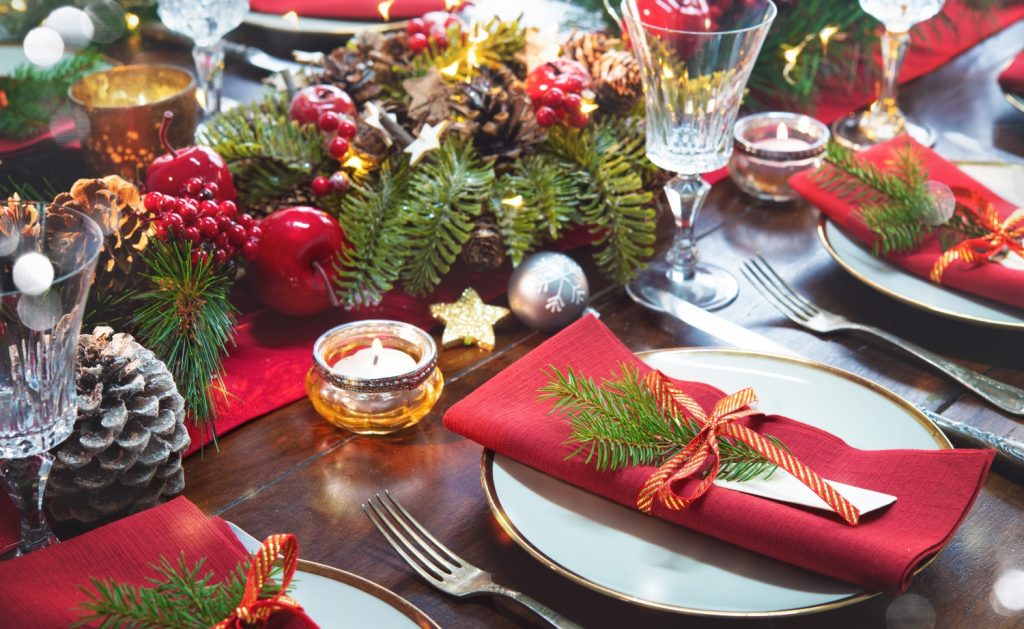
[[570, 314]]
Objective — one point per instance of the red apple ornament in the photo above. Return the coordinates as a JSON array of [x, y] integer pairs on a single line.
[[170, 173], [293, 267], [310, 102]]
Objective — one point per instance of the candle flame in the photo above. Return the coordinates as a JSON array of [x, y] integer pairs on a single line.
[[782, 132], [385, 9], [513, 202], [376, 347], [451, 5], [292, 18], [131, 20]]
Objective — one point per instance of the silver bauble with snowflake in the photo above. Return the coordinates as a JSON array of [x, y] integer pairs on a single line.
[[548, 291]]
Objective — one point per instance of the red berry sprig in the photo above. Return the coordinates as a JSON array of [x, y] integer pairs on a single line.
[[433, 28], [338, 130], [215, 229], [559, 90]]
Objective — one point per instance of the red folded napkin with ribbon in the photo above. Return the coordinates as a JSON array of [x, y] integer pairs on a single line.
[[347, 9], [934, 489], [983, 278], [41, 589], [1012, 78]]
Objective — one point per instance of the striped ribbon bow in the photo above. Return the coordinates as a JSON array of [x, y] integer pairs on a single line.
[[1001, 234], [721, 422], [253, 611]]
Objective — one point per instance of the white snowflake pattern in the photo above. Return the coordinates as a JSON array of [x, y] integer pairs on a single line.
[[560, 279]]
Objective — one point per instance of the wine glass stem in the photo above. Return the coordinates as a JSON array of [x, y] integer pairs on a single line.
[[884, 120], [25, 481], [686, 194], [210, 73]]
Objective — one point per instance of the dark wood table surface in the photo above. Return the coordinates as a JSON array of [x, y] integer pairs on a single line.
[[290, 471]]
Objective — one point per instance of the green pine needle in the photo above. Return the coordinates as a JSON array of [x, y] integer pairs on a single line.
[[618, 424], [187, 320], [34, 94]]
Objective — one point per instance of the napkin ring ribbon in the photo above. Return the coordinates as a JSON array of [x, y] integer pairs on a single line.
[[1000, 234], [254, 611], [721, 422]]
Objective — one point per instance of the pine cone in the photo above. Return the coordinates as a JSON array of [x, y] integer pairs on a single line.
[[499, 119], [588, 48], [298, 196], [125, 452], [372, 61], [485, 250], [617, 82]]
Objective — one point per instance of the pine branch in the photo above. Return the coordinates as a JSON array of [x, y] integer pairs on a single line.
[[619, 424], [374, 224], [449, 190], [187, 320], [34, 94], [620, 209], [492, 44], [268, 153]]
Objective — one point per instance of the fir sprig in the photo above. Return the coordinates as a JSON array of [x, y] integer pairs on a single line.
[[492, 44], [187, 320], [33, 94], [619, 424]]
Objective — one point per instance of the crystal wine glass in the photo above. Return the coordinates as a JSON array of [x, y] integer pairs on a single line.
[[883, 120], [47, 258], [205, 22], [695, 64]]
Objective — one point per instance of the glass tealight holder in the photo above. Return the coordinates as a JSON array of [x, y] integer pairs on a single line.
[[374, 377], [771, 147]]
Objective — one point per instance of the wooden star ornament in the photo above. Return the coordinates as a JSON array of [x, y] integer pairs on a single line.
[[428, 140], [468, 321]]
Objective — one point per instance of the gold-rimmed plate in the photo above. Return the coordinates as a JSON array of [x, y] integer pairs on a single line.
[[632, 557], [1015, 100], [335, 598], [316, 25]]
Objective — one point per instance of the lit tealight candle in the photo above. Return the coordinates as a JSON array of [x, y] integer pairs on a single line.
[[770, 147], [782, 141], [375, 361]]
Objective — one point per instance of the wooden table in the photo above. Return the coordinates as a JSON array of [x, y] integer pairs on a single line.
[[292, 472]]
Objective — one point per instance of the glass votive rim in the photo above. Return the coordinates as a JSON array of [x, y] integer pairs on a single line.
[[800, 126], [83, 83], [411, 339]]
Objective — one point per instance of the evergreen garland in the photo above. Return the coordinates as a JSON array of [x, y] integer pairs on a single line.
[[33, 94], [493, 44], [619, 424]]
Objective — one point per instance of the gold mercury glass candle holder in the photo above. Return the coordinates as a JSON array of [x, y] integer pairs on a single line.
[[374, 377], [120, 111], [771, 147]]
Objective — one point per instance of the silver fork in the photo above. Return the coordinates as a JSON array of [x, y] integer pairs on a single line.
[[436, 563], [804, 313]]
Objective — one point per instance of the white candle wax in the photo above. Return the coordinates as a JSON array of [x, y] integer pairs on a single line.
[[782, 141], [375, 361]]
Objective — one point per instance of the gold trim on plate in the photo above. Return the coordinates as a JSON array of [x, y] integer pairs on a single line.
[[409, 610], [949, 314], [491, 494]]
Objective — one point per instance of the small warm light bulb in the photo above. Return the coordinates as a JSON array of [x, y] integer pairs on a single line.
[[19, 5], [451, 70], [588, 106], [782, 132], [384, 8], [513, 202], [826, 34], [355, 162], [131, 20], [292, 18]]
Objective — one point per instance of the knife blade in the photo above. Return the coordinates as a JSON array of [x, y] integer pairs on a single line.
[[1009, 452]]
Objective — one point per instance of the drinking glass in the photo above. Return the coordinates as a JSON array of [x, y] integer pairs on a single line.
[[205, 22], [47, 258], [695, 69], [883, 120]]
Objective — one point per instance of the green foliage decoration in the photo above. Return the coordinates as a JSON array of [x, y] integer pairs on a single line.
[[33, 94]]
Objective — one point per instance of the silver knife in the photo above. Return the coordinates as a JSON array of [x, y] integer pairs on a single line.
[[1008, 451]]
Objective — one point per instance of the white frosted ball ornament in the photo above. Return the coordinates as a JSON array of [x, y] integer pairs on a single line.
[[73, 24], [32, 273], [43, 46]]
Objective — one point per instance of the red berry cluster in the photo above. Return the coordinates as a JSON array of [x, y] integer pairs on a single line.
[[432, 28], [217, 229], [557, 90], [339, 130]]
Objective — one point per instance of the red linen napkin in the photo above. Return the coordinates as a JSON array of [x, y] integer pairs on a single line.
[[347, 9], [41, 589], [1012, 78], [934, 489], [988, 279]]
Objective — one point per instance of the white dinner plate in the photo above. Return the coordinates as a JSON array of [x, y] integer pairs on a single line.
[[643, 560], [882, 275], [337, 599], [317, 25]]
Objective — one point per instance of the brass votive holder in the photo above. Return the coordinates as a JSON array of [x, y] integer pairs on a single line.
[[123, 108], [374, 377], [770, 147]]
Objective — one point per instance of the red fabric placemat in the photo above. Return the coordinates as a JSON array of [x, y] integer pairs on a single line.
[[347, 9], [991, 280], [934, 488], [1012, 78], [41, 589]]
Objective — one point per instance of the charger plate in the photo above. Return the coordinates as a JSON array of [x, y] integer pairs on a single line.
[[649, 562]]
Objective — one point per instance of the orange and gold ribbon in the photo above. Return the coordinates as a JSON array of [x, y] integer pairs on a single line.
[[252, 610], [1001, 234], [721, 422]]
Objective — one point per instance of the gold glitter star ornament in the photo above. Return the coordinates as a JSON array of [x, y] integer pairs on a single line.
[[469, 321]]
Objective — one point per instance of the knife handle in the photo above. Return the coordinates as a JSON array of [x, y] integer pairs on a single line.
[[1009, 452]]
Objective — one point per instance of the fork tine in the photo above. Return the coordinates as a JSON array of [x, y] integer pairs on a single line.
[[400, 545], [797, 295], [449, 564], [770, 293], [453, 558], [780, 291]]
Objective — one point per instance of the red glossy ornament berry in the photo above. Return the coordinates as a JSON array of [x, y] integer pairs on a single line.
[[416, 25], [347, 128], [221, 241], [191, 234], [245, 220], [159, 230], [237, 235], [168, 204], [572, 103], [171, 172], [441, 41], [321, 186], [193, 186], [224, 223], [554, 98], [417, 42], [255, 231], [328, 121], [207, 226], [579, 120], [220, 256], [188, 213], [340, 182], [250, 249], [152, 202], [310, 102], [228, 208], [209, 208], [338, 148], [566, 74], [546, 116], [173, 221]]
